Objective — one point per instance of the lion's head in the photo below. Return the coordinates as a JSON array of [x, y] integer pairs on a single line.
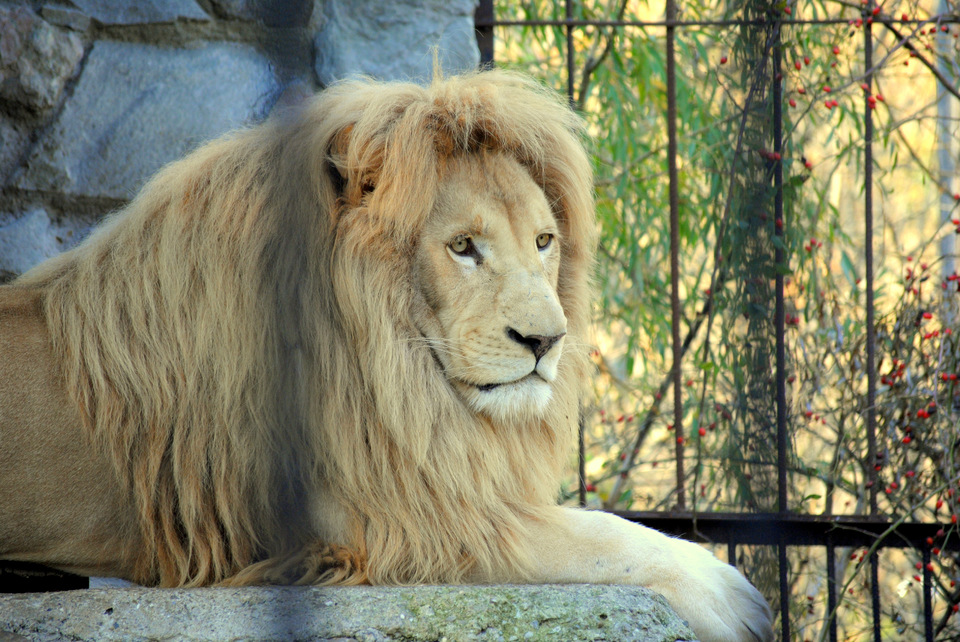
[[363, 320], [487, 264]]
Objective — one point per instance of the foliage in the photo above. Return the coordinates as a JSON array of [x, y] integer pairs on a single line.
[[729, 234]]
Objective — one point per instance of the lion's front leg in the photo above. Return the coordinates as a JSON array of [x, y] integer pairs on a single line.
[[316, 563], [574, 546]]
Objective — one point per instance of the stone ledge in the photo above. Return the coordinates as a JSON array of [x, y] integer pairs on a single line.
[[369, 614]]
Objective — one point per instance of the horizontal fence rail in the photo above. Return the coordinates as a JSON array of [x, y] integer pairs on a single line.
[[767, 529]]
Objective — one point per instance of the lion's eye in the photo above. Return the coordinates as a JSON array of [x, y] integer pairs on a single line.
[[543, 240], [462, 245]]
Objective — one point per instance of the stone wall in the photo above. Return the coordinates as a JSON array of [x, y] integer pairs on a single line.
[[97, 95]]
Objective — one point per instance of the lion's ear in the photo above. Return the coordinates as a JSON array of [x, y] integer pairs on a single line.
[[337, 159], [336, 178], [352, 169]]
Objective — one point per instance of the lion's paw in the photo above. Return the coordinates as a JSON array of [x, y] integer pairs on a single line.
[[716, 600]]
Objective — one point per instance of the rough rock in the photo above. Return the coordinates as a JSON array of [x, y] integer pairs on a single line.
[[36, 59], [395, 41], [14, 139], [65, 17], [32, 238], [137, 107], [291, 13], [125, 12], [452, 613]]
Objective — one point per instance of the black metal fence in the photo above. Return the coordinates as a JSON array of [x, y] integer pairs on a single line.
[[783, 529]]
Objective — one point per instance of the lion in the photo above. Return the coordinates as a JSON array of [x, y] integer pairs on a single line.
[[345, 346]]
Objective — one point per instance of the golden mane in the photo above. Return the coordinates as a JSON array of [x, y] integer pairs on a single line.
[[239, 339]]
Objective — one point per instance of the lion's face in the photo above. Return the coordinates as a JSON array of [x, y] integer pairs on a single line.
[[487, 265]]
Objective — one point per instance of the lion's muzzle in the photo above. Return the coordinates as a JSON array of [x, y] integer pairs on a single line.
[[538, 343]]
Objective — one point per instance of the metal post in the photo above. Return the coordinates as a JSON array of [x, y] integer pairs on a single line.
[[871, 329], [675, 248], [483, 17]]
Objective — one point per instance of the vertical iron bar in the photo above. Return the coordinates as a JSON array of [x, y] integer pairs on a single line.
[[927, 597], [568, 11], [780, 259], [868, 259], [780, 328], [484, 16], [674, 247], [582, 449], [871, 330], [582, 461], [784, 587], [831, 588], [731, 551], [875, 593]]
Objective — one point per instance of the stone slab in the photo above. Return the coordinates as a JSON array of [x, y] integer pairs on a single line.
[[125, 12], [137, 107], [395, 41], [575, 613]]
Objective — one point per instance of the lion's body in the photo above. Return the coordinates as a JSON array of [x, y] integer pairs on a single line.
[[344, 346]]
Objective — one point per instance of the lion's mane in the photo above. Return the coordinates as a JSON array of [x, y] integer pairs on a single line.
[[239, 339]]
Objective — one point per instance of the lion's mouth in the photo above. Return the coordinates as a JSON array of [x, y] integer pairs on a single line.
[[487, 387]]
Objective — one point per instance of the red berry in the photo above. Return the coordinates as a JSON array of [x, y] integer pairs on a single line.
[[792, 102], [723, 60], [836, 50], [702, 432], [797, 65], [806, 60]]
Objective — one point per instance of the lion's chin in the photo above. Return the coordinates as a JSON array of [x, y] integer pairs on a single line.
[[519, 400]]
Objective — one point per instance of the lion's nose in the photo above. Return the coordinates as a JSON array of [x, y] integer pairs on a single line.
[[538, 343]]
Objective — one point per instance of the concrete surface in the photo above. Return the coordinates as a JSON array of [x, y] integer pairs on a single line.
[[367, 614]]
